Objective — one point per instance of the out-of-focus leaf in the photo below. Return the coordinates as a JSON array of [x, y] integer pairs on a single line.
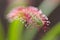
[[48, 6], [15, 30], [1, 31], [52, 33], [16, 3]]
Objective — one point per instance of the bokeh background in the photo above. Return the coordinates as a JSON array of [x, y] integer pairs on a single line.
[[54, 16]]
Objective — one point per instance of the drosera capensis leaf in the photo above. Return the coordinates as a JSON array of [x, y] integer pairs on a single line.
[[38, 20]]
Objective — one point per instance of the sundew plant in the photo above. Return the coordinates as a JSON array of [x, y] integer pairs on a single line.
[[27, 22]]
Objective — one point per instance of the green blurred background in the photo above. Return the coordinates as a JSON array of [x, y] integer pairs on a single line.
[[54, 16]]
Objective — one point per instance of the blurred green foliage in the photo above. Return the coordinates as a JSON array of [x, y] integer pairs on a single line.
[[15, 30], [1, 31], [50, 35]]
